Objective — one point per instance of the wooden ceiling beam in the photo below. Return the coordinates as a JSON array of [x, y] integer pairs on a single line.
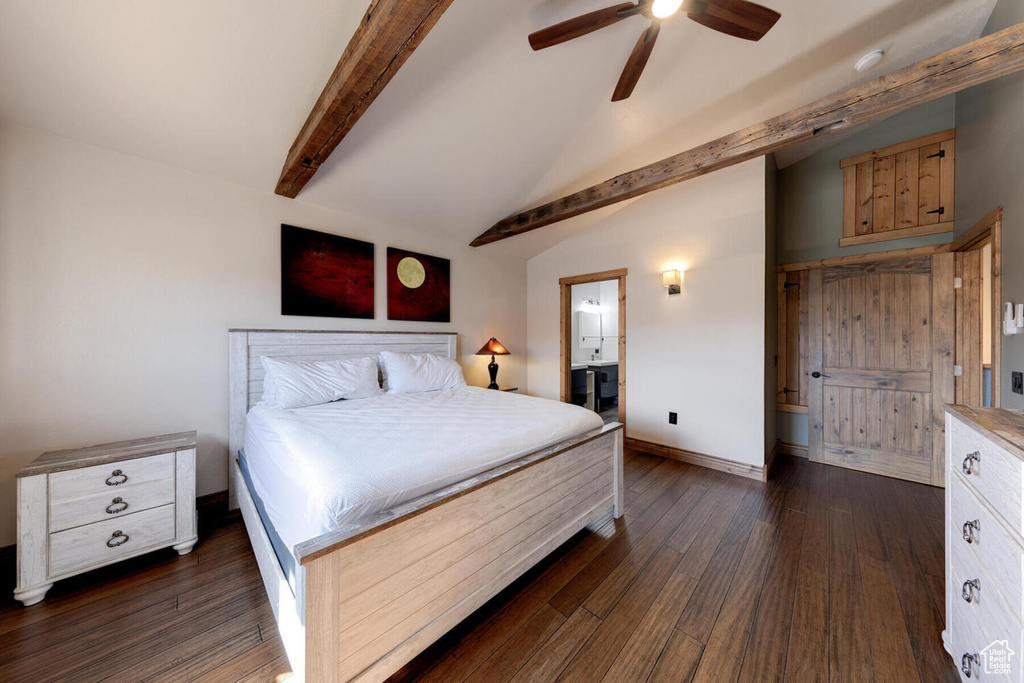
[[960, 68], [386, 37]]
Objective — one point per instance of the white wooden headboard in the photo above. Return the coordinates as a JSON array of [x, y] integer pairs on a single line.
[[246, 372]]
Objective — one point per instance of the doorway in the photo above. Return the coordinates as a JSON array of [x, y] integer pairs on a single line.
[[592, 357], [881, 372], [978, 258], [871, 348]]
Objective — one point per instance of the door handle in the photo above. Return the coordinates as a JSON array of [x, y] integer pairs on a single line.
[[817, 375]]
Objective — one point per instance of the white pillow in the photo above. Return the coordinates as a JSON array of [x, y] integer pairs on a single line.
[[297, 384], [410, 373]]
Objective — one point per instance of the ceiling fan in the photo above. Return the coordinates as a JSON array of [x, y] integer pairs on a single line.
[[738, 18]]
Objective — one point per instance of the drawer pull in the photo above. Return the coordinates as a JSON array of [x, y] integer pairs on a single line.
[[969, 529], [117, 505], [968, 465], [966, 661], [970, 586], [117, 538], [115, 475]]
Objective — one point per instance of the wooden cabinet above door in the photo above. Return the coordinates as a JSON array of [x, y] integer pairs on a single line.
[[901, 191]]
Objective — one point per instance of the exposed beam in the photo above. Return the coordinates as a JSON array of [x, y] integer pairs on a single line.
[[387, 35], [968, 65]]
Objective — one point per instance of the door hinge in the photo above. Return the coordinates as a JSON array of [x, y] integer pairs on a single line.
[[958, 282], [941, 154], [941, 211], [958, 371]]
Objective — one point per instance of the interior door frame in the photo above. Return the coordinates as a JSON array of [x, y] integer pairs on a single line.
[[989, 230], [565, 332]]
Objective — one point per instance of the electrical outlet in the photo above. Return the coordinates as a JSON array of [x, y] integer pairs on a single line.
[[672, 418], [1017, 382]]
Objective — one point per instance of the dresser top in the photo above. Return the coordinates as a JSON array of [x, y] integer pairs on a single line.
[[1005, 427], [59, 461]]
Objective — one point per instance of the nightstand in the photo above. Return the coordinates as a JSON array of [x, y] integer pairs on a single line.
[[89, 507], [511, 390]]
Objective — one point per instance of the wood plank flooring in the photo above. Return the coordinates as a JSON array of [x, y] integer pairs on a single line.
[[821, 574]]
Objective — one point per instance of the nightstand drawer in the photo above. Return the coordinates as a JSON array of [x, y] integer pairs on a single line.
[[996, 474], [98, 544], [112, 479], [118, 502]]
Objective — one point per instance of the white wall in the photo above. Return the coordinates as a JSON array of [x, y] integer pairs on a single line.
[[120, 277], [700, 353]]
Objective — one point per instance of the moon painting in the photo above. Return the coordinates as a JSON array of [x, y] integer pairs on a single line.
[[325, 275], [419, 287]]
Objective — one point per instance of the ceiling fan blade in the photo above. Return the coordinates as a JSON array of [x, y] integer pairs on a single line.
[[636, 62], [579, 26], [737, 18]]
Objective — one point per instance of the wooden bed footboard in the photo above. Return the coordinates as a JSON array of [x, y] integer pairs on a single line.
[[377, 598]]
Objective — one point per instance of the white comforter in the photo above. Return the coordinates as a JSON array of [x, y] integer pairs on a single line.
[[324, 467]]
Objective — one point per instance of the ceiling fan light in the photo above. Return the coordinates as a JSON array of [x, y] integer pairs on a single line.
[[665, 8]]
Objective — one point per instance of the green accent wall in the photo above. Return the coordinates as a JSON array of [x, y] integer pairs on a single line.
[[990, 173], [810, 205], [811, 190]]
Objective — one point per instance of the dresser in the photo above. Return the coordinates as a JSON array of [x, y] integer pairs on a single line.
[[985, 542], [89, 507]]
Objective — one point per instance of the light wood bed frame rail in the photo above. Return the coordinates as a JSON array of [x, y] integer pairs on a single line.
[[371, 596]]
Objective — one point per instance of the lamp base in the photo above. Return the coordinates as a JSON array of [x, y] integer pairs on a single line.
[[492, 368]]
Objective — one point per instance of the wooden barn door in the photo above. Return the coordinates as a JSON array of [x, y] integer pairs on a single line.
[[882, 339]]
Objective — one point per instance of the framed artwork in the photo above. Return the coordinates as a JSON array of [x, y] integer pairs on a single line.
[[419, 287], [325, 275]]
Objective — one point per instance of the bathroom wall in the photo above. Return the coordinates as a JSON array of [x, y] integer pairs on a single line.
[[607, 294]]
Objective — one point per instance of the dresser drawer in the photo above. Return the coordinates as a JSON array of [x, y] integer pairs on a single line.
[[971, 645], [991, 545], [103, 542], [118, 502], [112, 479], [988, 605], [996, 474]]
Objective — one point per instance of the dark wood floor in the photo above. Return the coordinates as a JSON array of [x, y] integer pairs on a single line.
[[822, 574]]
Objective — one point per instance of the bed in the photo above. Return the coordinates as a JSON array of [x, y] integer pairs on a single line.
[[454, 496]]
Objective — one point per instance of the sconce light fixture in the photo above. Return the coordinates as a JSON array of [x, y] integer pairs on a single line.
[[672, 280], [591, 306]]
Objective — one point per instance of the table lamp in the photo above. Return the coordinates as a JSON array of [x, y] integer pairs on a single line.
[[493, 348]]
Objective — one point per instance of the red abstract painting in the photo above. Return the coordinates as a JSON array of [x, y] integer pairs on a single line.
[[419, 287], [325, 275]]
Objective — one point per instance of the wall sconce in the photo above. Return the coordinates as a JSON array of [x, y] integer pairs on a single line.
[[591, 306], [672, 279]]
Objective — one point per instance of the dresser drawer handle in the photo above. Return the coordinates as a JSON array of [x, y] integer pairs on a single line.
[[114, 475], [970, 586], [117, 538], [969, 529], [968, 466], [117, 505], [966, 661]]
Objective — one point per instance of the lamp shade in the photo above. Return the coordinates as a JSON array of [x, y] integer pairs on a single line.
[[493, 347]]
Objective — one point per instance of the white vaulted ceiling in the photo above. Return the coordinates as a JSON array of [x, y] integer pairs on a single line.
[[474, 127]]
